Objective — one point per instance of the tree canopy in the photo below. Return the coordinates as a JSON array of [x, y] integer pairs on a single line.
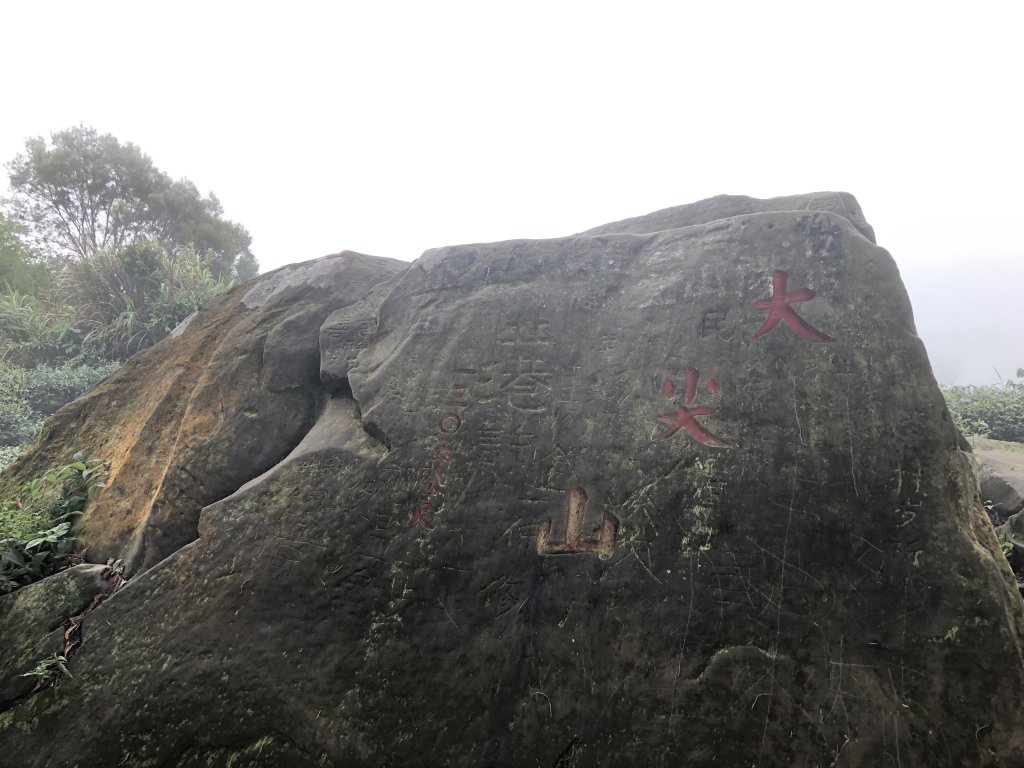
[[17, 270], [84, 192], [101, 255]]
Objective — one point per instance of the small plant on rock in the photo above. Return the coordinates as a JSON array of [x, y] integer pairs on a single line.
[[1006, 546], [48, 671]]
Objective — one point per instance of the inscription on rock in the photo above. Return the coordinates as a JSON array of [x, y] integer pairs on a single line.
[[434, 479], [780, 310], [574, 541], [782, 560]]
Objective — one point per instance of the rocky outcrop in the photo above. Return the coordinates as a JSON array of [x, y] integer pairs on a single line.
[[189, 421], [677, 491]]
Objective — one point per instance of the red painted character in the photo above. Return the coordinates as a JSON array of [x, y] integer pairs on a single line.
[[685, 416], [419, 517], [779, 310]]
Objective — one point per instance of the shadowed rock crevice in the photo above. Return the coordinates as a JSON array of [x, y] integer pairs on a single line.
[[158, 535], [343, 336], [338, 430]]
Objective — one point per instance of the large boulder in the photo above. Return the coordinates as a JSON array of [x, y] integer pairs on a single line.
[[678, 491]]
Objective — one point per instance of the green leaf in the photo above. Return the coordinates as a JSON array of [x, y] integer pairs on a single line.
[[13, 556]]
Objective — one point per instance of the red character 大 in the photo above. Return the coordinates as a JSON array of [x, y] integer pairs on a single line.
[[685, 415], [779, 310]]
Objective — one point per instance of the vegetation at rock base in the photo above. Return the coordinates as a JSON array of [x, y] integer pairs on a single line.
[[989, 411], [36, 518], [101, 255]]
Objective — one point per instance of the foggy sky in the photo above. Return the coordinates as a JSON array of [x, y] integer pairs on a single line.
[[393, 128]]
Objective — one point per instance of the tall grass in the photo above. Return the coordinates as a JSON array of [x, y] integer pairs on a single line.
[[33, 330], [128, 300]]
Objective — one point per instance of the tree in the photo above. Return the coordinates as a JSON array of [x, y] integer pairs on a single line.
[[183, 218], [18, 270], [84, 192]]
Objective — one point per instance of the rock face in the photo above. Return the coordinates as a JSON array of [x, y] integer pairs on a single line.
[[221, 402], [681, 490]]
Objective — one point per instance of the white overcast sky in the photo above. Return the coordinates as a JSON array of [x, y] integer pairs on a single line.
[[389, 127]]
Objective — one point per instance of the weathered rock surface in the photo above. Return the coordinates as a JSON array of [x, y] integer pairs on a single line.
[[30, 617], [187, 422], [678, 491]]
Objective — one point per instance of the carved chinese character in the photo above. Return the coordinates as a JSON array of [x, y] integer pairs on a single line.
[[524, 373], [573, 543], [779, 310], [685, 415], [526, 383], [525, 332]]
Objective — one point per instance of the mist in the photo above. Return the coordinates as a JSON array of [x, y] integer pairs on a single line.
[[969, 316]]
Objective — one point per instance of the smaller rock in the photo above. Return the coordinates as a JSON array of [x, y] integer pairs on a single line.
[[1000, 468], [29, 616]]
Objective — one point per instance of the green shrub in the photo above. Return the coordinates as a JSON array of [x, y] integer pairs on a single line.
[[19, 423], [9, 453], [36, 518], [989, 411], [31, 332], [29, 395], [130, 299], [48, 387]]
